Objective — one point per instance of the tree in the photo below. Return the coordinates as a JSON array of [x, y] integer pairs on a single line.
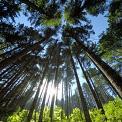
[[111, 74], [9, 9], [43, 50], [98, 102], [112, 36], [84, 105]]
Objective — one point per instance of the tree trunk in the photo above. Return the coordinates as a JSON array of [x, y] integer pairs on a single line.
[[19, 88], [83, 101], [62, 102], [108, 81], [5, 97], [70, 107], [79, 105], [67, 98], [4, 55], [15, 70], [27, 95], [98, 102], [51, 108], [12, 80], [111, 74], [8, 69], [5, 89], [40, 97], [36, 96], [17, 56], [54, 96], [43, 104]]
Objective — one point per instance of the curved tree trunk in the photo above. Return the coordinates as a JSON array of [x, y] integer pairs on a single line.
[[111, 74], [83, 101]]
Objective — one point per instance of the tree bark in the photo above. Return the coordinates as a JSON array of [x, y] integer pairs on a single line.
[[83, 101], [17, 56], [36, 96], [19, 88], [43, 104], [111, 74], [107, 80], [98, 102], [54, 95], [62, 102]]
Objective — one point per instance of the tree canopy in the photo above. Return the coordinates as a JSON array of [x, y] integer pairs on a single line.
[[54, 54]]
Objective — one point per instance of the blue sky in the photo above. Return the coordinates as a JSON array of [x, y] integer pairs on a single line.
[[99, 25], [22, 20]]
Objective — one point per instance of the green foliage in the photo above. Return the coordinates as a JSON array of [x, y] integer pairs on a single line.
[[40, 3], [77, 116], [114, 11], [113, 112], [97, 116], [57, 115], [97, 8], [110, 42], [51, 22], [68, 18], [18, 116], [46, 114]]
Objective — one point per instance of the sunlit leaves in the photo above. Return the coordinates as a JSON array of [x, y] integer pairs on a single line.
[[50, 13], [113, 112], [17, 116], [68, 18], [97, 116], [77, 115], [51, 22]]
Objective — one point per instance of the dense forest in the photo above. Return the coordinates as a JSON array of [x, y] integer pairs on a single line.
[[52, 70]]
